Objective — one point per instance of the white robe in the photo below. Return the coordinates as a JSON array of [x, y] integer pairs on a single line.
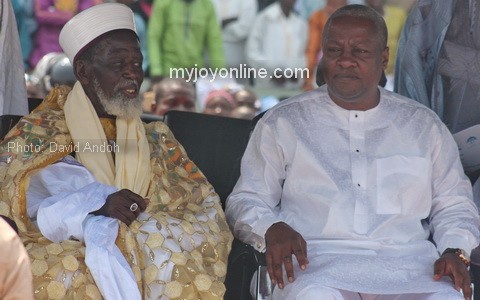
[[364, 188], [235, 34], [277, 43], [13, 91]]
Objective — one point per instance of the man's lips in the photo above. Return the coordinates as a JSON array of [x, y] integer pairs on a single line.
[[130, 90], [345, 76]]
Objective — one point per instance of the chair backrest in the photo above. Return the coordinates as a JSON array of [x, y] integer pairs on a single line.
[[6, 123], [215, 144]]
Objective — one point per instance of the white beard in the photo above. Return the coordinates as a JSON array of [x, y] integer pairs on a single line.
[[119, 105]]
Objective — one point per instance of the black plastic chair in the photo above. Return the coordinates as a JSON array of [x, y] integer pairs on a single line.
[[6, 123], [216, 145]]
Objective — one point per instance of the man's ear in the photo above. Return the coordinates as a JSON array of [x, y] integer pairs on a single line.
[[82, 71], [385, 55]]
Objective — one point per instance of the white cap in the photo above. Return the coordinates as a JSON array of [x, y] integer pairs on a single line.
[[91, 23]]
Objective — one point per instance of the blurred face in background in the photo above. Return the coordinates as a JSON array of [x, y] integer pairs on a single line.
[[172, 95], [246, 98], [220, 105]]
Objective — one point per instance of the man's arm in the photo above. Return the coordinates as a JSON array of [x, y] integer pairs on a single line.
[[65, 194], [454, 218], [252, 208], [214, 39], [239, 29], [61, 196]]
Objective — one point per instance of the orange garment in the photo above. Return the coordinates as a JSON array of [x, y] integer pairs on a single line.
[[315, 30], [15, 270]]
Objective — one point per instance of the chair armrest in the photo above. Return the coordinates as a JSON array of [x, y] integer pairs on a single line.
[[264, 286]]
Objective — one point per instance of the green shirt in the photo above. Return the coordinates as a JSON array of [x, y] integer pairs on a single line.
[[179, 32]]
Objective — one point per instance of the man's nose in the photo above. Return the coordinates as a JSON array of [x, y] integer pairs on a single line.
[[132, 71], [346, 59]]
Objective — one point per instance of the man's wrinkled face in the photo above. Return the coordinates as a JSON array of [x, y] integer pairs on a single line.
[[117, 75], [353, 61]]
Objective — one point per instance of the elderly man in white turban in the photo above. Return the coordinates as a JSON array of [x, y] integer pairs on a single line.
[[108, 206]]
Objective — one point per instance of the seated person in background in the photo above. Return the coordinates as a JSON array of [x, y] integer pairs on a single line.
[[343, 185], [127, 215], [247, 104], [173, 94], [245, 97], [220, 103], [15, 271], [243, 112]]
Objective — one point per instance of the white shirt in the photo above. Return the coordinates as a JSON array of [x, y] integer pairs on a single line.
[[359, 186], [235, 34], [277, 41]]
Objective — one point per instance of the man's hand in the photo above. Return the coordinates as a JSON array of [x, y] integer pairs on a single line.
[[225, 22], [118, 205], [449, 264], [281, 242]]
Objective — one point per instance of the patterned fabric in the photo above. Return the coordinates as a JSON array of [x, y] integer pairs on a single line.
[[177, 192]]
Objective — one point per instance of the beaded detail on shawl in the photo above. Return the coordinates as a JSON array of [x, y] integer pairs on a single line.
[[177, 195]]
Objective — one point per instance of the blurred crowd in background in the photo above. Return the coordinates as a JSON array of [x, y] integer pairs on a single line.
[[193, 34]]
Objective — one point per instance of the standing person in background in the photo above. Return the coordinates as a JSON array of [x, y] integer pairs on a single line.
[[277, 42], [13, 92], [315, 30], [437, 62], [394, 18], [306, 8], [236, 18], [26, 27], [264, 3], [51, 15], [15, 271], [142, 9], [179, 33]]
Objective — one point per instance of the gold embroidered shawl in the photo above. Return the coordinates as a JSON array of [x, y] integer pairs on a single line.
[[177, 191]]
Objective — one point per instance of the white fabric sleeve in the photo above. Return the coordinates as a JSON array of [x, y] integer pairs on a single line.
[[252, 207], [69, 189], [454, 218], [109, 268]]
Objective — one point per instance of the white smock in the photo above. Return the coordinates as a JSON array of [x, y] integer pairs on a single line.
[[364, 188]]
